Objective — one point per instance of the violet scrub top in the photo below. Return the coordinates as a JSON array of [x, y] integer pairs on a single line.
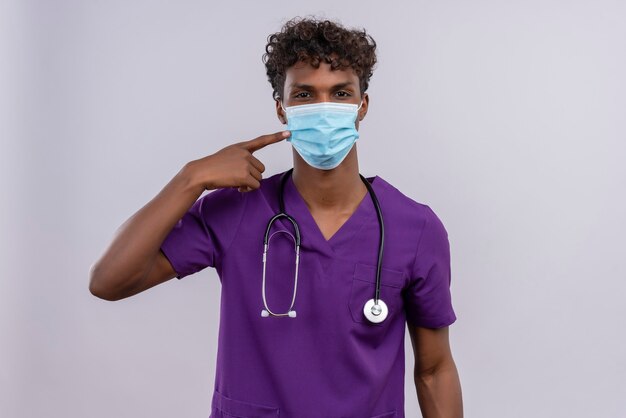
[[328, 361]]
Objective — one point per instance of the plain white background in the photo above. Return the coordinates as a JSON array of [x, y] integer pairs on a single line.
[[507, 118]]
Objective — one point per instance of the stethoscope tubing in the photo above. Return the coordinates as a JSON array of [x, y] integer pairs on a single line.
[[297, 241], [381, 239]]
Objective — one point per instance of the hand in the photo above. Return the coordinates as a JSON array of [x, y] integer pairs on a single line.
[[234, 165]]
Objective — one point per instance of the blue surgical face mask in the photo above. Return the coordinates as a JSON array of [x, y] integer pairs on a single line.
[[322, 133]]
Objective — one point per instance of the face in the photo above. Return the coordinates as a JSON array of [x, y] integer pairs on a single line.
[[305, 84]]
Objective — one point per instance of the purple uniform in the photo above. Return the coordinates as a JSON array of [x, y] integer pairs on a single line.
[[328, 361]]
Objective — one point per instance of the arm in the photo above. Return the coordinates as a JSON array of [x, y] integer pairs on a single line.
[[133, 261], [435, 374]]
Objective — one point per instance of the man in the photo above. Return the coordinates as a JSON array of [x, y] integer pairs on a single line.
[[297, 339]]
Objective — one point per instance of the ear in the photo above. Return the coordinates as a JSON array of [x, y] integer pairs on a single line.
[[280, 112], [364, 106]]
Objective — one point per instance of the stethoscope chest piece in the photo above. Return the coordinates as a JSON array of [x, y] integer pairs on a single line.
[[375, 313]]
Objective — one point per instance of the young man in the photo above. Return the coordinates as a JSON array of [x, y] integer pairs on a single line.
[[304, 335]]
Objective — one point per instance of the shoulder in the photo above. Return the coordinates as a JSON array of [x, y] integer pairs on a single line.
[[270, 184], [402, 207], [230, 202], [230, 196]]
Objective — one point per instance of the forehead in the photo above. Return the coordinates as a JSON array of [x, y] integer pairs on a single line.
[[304, 73]]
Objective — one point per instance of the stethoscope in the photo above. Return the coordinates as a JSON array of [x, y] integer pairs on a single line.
[[375, 310]]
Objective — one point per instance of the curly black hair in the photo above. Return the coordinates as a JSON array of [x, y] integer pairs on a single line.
[[312, 40]]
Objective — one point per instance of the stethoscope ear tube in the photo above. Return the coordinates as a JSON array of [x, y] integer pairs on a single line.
[[266, 242]]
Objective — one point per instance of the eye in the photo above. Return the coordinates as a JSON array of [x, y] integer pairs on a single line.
[[343, 93], [302, 94]]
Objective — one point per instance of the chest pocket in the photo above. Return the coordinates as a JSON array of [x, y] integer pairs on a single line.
[[224, 407], [364, 287]]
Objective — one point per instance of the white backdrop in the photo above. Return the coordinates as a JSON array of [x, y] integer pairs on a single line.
[[507, 118]]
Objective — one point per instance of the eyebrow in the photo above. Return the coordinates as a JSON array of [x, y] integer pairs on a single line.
[[310, 87]]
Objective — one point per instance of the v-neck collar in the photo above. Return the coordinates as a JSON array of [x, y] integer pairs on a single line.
[[312, 236]]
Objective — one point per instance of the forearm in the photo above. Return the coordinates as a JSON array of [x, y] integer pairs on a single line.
[[439, 393]]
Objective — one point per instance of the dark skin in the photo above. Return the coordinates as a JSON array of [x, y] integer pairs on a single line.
[[133, 263], [331, 195]]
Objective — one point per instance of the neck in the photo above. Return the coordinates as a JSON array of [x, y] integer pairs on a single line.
[[338, 188]]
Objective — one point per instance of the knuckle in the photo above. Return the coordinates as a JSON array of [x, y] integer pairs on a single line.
[[242, 174], [243, 145]]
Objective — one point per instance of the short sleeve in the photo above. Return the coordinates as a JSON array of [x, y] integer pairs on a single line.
[[427, 299], [201, 237]]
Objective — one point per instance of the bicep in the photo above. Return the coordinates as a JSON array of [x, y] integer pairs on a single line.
[[431, 347], [160, 272]]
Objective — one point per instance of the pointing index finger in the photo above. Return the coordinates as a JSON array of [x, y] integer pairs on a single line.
[[264, 140]]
